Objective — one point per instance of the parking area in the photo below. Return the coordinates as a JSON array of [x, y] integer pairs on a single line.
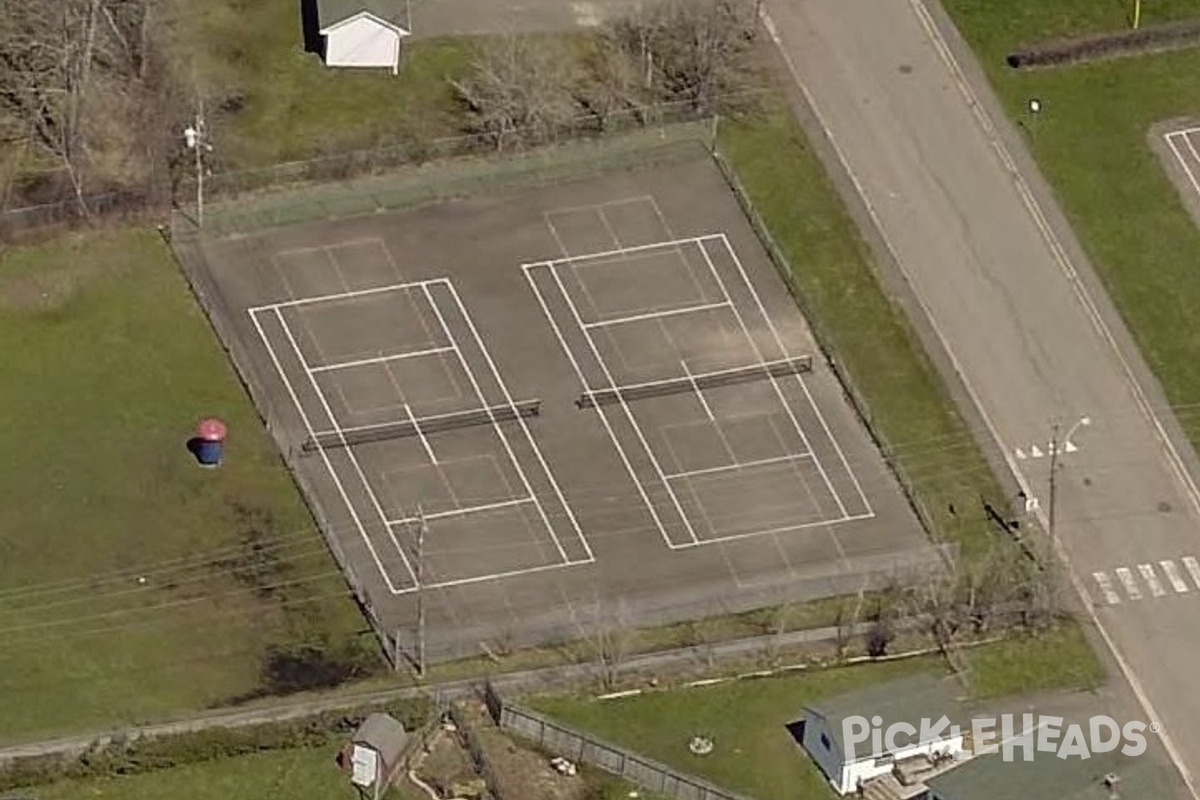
[[561, 408]]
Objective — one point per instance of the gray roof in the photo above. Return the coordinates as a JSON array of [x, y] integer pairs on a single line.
[[331, 12], [1048, 777], [383, 734], [912, 699]]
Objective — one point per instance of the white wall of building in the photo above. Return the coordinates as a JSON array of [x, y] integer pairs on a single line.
[[822, 746], [362, 41]]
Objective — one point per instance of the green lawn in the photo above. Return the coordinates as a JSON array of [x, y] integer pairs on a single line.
[[746, 720], [1091, 143], [249, 56], [291, 774], [108, 365], [832, 273]]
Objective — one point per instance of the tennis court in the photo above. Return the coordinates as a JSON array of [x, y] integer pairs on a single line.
[[568, 406]]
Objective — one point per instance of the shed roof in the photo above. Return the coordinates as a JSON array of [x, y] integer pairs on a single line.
[[911, 699], [1048, 777], [383, 734], [331, 12]]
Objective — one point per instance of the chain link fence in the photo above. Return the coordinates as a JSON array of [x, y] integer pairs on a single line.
[[583, 747]]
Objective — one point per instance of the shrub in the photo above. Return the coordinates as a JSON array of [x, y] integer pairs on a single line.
[[1152, 39]]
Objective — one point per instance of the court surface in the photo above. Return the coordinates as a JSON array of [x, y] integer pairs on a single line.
[[568, 407]]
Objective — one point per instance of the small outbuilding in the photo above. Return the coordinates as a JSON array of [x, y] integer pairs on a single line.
[[907, 700], [374, 753], [362, 33]]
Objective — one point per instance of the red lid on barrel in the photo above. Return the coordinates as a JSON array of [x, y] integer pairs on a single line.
[[211, 430]]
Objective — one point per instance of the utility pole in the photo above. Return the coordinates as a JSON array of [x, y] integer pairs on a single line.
[[1054, 445], [421, 592], [196, 138]]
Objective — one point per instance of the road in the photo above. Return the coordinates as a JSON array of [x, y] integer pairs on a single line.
[[1003, 296]]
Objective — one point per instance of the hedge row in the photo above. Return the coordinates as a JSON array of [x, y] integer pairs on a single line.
[[1156, 38], [131, 757]]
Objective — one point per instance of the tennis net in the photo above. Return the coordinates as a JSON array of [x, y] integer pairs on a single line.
[[706, 380], [423, 425]]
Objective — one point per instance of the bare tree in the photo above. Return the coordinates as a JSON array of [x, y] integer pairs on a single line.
[[519, 89], [692, 50], [610, 636]]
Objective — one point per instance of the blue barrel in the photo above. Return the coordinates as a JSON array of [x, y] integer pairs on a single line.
[[208, 453]]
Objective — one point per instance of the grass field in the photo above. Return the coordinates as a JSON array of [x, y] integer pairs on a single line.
[[745, 719], [832, 272], [1091, 143], [108, 365], [273, 102]]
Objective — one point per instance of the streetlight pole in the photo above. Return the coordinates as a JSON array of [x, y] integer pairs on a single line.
[[1053, 478], [420, 570]]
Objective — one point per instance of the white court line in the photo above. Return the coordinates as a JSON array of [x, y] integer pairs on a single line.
[[420, 433], [349, 451], [699, 376], [528, 269], [774, 383], [361, 362], [704, 403], [656, 315], [1131, 587], [733, 537], [483, 401], [799, 379], [327, 298], [498, 576], [1183, 163], [1106, 588], [324, 456], [1172, 572], [726, 467], [1151, 579], [1188, 140], [564, 210], [1193, 568], [462, 512], [707, 410], [624, 404], [637, 248], [604, 221], [537, 451]]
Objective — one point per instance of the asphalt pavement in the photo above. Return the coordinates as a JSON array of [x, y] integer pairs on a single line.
[[1029, 342]]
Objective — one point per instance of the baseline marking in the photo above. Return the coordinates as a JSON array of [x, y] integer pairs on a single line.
[[462, 512], [655, 315], [727, 467], [361, 362], [327, 298]]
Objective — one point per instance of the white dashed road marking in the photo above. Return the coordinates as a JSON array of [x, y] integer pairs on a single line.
[[1131, 587], [1172, 573], [1106, 588], [1193, 568], [1151, 579]]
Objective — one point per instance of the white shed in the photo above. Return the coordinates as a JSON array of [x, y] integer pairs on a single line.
[[908, 700], [362, 33]]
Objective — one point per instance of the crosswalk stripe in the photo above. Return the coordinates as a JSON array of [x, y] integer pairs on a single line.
[[1172, 571], [1131, 587], [1193, 568], [1151, 579], [1106, 588]]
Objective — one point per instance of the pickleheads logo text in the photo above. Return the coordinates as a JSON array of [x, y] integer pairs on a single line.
[[864, 737]]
